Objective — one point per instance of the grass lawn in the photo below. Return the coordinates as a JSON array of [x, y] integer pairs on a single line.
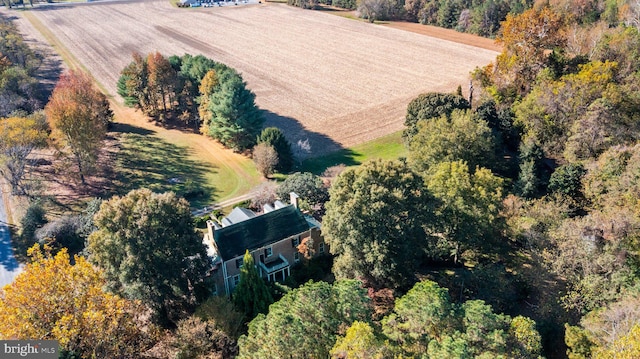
[[387, 148], [160, 159], [147, 160]]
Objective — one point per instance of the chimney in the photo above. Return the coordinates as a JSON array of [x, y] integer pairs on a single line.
[[293, 198]]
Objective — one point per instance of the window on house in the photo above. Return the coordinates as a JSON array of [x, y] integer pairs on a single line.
[[296, 257], [236, 279], [268, 252], [239, 262], [295, 242], [214, 290], [321, 247]]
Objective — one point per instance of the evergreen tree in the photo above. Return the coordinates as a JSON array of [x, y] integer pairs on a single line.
[[274, 137], [532, 178], [235, 118], [251, 296]]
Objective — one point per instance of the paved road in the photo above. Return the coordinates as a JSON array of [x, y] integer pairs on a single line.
[[9, 267]]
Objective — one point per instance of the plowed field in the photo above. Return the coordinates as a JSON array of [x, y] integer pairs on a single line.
[[335, 81]]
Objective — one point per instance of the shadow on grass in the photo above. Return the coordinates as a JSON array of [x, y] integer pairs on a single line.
[[127, 128], [320, 150], [146, 161]]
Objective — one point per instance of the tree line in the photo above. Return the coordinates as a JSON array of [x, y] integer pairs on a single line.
[[197, 91]]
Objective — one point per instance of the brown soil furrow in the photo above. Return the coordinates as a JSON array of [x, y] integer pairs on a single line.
[[316, 74]]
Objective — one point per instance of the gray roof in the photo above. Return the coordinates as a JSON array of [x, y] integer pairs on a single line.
[[239, 214], [259, 231]]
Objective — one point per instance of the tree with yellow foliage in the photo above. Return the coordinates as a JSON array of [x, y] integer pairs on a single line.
[[18, 138], [527, 41], [55, 300], [626, 347]]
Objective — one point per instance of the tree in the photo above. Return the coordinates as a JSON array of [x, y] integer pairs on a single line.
[[208, 86], [34, 218], [199, 339], [274, 137], [19, 89], [306, 321], [469, 205], [64, 232], [307, 186], [426, 321], [421, 315], [132, 84], [54, 300], [553, 108], [567, 180], [220, 311], [462, 138], [627, 347], [161, 81], [251, 296], [374, 222], [527, 39], [18, 138], [235, 118], [431, 105], [359, 342], [266, 159], [79, 115], [147, 246], [533, 177], [264, 193]]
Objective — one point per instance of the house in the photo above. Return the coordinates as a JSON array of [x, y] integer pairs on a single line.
[[273, 239]]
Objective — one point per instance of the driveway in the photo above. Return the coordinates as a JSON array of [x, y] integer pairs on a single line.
[[9, 266]]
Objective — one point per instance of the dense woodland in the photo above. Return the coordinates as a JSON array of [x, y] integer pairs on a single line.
[[511, 230]]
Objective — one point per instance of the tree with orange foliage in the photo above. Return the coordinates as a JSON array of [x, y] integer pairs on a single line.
[[55, 300], [79, 115], [161, 80], [527, 40]]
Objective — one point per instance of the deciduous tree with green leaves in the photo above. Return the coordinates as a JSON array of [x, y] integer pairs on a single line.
[[458, 137], [468, 205], [431, 105], [375, 222], [359, 342], [147, 245], [307, 186], [426, 321]]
